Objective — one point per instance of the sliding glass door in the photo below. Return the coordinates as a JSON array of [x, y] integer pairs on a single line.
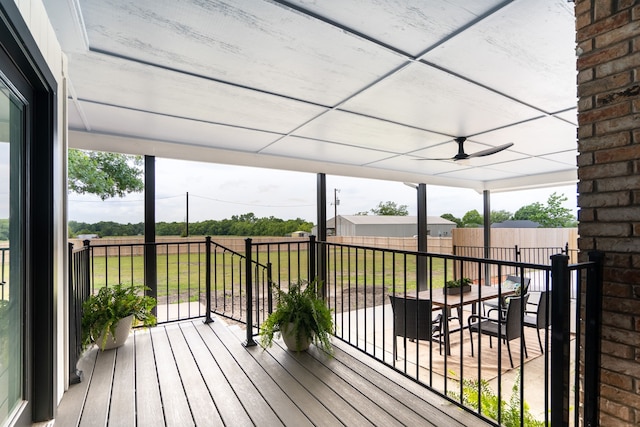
[[12, 333]]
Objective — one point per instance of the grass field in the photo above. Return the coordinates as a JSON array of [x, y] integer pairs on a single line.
[[184, 274]]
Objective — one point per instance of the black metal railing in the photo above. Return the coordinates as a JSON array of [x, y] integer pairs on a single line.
[[358, 281], [78, 292], [274, 264], [536, 255]]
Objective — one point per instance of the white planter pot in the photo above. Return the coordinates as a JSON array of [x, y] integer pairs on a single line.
[[123, 328], [290, 340]]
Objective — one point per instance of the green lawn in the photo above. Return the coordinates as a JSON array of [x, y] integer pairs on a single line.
[[185, 273]]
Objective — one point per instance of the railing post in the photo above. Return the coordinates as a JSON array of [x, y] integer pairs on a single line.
[[593, 324], [269, 289], [207, 278], [75, 376], [312, 273], [249, 293], [88, 288], [560, 324]]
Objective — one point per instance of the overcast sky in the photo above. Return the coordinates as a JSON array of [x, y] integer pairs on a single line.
[[220, 191]]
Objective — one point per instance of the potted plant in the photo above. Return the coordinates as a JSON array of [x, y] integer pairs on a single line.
[[453, 287], [301, 317], [107, 317]]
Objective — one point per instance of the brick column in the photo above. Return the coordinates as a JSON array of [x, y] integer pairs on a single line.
[[608, 41]]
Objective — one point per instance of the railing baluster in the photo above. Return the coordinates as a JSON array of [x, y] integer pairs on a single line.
[[593, 320], [560, 323], [207, 277], [249, 295]]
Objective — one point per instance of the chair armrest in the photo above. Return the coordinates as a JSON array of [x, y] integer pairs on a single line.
[[481, 318], [501, 314]]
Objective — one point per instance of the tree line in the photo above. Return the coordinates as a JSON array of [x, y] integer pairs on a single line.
[[551, 215], [238, 225]]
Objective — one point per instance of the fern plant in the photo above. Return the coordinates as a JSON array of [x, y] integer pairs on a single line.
[[302, 314], [489, 403], [101, 312]]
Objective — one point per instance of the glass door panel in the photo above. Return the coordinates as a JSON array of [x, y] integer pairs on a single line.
[[11, 249]]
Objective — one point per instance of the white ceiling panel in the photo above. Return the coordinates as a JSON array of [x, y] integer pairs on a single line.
[[571, 116], [323, 151], [440, 102], [500, 53], [348, 87], [366, 132], [532, 166], [566, 157], [253, 43], [411, 164], [73, 117], [535, 137], [115, 81], [118, 121], [409, 25], [476, 174]]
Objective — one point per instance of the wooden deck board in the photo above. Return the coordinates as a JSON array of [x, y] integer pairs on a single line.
[[177, 411], [191, 373], [277, 399], [417, 398], [377, 392], [258, 409], [123, 402], [70, 408], [315, 411], [231, 410], [356, 397], [99, 391], [149, 410], [337, 404], [200, 401]]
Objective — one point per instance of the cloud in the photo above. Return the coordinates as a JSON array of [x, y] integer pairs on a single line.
[[221, 191]]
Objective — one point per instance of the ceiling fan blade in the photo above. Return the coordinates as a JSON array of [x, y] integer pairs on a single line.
[[431, 158], [490, 151]]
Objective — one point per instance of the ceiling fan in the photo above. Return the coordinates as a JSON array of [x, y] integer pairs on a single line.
[[463, 156]]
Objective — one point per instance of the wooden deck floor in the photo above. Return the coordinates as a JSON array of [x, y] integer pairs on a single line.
[[190, 373]]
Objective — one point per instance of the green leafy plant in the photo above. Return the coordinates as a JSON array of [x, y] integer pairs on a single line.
[[302, 314], [101, 312], [489, 403], [458, 283]]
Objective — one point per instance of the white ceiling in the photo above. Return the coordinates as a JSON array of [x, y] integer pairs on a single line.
[[345, 87]]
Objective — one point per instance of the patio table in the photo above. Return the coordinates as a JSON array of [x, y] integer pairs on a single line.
[[457, 301]]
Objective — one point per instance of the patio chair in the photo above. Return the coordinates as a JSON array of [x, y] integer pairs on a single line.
[[413, 319], [537, 314], [508, 325], [502, 302]]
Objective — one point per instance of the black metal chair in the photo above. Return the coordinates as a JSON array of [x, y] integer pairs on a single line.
[[502, 302], [413, 319], [540, 316], [507, 326]]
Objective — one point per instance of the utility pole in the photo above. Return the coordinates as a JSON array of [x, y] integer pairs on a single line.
[[187, 221], [336, 202]]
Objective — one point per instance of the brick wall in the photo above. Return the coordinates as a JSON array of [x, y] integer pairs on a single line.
[[608, 39]]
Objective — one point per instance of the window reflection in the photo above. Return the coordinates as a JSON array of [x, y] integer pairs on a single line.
[[11, 301]]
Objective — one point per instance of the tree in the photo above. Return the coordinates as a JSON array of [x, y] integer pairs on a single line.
[[472, 219], [500, 216], [450, 217], [552, 215], [556, 214], [533, 212], [390, 208], [104, 174]]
